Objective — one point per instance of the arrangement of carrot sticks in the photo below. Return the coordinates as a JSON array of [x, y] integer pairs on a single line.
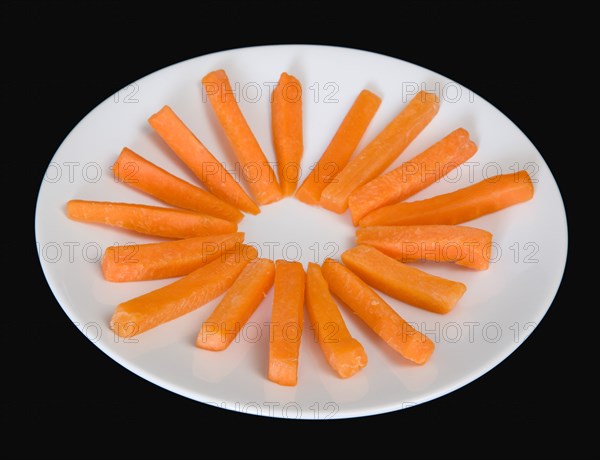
[[208, 255]]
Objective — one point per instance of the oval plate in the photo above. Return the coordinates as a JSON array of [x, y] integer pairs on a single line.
[[500, 309]]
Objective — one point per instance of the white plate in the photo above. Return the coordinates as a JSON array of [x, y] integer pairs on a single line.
[[501, 307]]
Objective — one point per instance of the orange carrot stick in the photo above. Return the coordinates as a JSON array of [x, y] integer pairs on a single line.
[[378, 315], [286, 119], [255, 168], [381, 151], [182, 296], [202, 163], [343, 353], [150, 220], [402, 282], [153, 261], [489, 195], [414, 175], [467, 246], [286, 322], [340, 148], [134, 170], [236, 307]]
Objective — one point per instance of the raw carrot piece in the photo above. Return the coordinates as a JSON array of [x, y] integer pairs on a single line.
[[402, 282], [134, 170], [340, 148], [150, 220], [489, 195], [182, 296], [255, 168], [343, 353], [381, 151], [287, 319], [286, 120], [414, 175], [467, 246], [236, 307], [378, 315], [153, 261], [201, 162]]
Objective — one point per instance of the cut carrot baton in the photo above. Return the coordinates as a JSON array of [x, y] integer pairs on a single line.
[[153, 261], [255, 168], [414, 175], [466, 246], [202, 163], [340, 148], [150, 220], [402, 282], [286, 119], [343, 353], [381, 151], [236, 307], [286, 322], [489, 195], [182, 296], [134, 170], [376, 313]]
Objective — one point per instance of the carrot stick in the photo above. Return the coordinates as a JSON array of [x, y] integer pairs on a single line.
[[134, 170], [381, 151], [286, 119], [343, 353], [201, 162], [489, 195], [414, 175], [286, 322], [378, 315], [467, 246], [402, 282], [150, 220], [153, 261], [255, 168], [234, 310], [340, 148], [182, 296]]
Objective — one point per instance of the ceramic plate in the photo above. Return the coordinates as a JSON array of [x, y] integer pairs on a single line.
[[500, 309]]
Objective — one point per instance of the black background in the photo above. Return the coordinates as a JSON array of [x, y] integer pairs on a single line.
[[62, 59]]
